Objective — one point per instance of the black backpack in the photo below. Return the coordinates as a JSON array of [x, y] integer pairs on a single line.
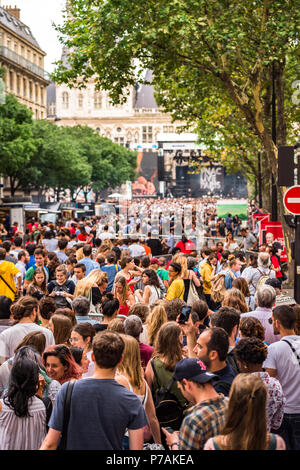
[[169, 411]]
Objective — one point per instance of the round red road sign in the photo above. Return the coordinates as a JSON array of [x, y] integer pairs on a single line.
[[291, 200]]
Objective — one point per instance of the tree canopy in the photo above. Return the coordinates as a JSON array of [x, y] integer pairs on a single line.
[[37, 154], [214, 63]]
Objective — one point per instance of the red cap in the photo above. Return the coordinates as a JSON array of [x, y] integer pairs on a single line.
[[155, 261]]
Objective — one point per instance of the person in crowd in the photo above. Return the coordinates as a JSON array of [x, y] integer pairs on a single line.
[[142, 311], [62, 289], [152, 290], [111, 268], [251, 327], [40, 257], [82, 336], [79, 273], [22, 257], [230, 244], [110, 310], [167, 352], [246, 424], [102, 409], [8, 273], [24, 313], [5, 304], [133, 327], [81, 308], [60, 365], [81, 359], [242, 285], [176, 289], [130, 375], [228, 318], [6, 245], [265, 299], [207, 417], [208, 272], [49, 241], [117, 326], [52, 263], [62, 244], [87, 260], [61, 327], [250, 242], [211, 347], [263, 270], [173, 308], [233, 272], [93, 286], [155, 320], [283, 363], [22, 411], [234, 298], [128, 270], [186, 246], [124, 295], [46, 308], [189, 276], [155, 245], [251, 354], [38, 287]]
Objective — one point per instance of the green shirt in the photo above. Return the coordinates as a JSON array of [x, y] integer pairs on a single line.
[[30, 272], [163, 274]]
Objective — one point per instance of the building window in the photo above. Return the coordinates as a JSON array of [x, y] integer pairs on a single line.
[[18, 85], [65, 100], [147, 134], [11, 80], [97, 101], [168, 129], [42, 95], [80, 100], [30, 90], [98, 130], [8, 42], [36, 93], [120, 141], [24, 87]]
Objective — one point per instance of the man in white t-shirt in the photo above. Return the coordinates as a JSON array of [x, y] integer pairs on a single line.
[[12, 336], [136, 249], [283, 363]]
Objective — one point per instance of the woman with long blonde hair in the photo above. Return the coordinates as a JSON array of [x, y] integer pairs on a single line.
[[92, 286], [246, 422], [234, 298], [155, 320], [124, 295], [130, 375], [188, 275]]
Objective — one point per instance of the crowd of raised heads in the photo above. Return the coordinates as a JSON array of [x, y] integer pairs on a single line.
[[112, 342]]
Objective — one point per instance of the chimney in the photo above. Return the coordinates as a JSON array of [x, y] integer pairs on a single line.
[[13, 11]]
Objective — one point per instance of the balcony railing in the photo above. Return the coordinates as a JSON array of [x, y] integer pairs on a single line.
[[18, 59]]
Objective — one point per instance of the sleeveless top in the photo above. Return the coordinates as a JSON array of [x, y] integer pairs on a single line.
[[154, 295], [164, 377], [142, 398], [272, 443]]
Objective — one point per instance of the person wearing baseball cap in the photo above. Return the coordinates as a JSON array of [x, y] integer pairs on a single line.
[[206, 418]]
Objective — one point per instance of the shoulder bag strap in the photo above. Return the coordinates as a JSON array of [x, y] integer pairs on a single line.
[[293, 349], [67, 409], [7, 284]]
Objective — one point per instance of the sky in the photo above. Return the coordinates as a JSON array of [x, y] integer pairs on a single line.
[[39, 16]]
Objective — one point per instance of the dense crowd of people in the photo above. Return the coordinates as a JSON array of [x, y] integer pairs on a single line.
[[111, 339]]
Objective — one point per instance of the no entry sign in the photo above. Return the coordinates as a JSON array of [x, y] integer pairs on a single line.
[[291, 200]]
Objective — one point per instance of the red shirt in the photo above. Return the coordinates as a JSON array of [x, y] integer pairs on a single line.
[[187, 247]]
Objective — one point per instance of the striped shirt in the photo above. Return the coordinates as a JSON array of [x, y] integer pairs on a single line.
[[205, 420]]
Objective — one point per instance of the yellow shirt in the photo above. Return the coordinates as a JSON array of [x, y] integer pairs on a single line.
[[176, 290], [206, 271], [8, 271]]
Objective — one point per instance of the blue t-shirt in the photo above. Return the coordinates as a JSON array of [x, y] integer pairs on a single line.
[[101, 410], [111, 274]]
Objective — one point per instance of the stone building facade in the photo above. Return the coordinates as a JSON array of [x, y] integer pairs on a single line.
[[23, 59]]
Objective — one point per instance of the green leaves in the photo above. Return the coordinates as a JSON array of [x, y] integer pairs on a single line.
[[39, 154]]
